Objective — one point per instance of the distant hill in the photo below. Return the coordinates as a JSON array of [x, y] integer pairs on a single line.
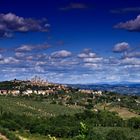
[[127, 88]]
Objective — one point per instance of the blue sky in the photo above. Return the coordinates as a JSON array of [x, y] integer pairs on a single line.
[[70, 41]]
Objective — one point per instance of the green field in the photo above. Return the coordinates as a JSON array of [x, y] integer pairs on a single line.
[[19, 105], [33, 119]]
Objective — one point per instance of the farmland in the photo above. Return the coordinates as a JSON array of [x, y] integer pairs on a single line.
[[22, 106], [66, 113]]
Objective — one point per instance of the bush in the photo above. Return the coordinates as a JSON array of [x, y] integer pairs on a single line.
[[116, 135], [8, 134], [134, 123]]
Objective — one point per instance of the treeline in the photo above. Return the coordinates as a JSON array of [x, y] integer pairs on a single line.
[[67, 126], [22, 85], [8, 85]]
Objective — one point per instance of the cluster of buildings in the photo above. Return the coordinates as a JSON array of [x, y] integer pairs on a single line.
[[38, 86], [90, 92], [26, 92], [49, 90]]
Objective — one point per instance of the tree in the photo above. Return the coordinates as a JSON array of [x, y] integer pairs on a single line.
[[90, 104], [82, 132]]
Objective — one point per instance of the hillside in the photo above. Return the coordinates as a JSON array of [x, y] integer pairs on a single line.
[[36, 116], [36, 108]]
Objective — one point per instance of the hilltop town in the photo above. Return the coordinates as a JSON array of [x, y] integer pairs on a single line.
[[37, 86]]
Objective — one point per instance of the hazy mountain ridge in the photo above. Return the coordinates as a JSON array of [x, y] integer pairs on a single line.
[[128, 88]]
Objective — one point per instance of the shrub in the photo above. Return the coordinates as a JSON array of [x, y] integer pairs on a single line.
[[116, 135]]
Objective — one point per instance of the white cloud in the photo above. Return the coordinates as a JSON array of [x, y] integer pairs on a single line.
[[133, 54], [93, 60], [11, 23], [131, 25], [61, 54], [9, 60], [27, 48], [130, 61], [24, 48], [87, 55], [20, 54], [121, 47]]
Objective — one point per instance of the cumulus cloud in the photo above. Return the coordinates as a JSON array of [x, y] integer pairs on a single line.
[[74, 6], [130, 61], [90, 59], [84, 65], [121, 47], [61, 54], [39, 69], [93, 60], [19, 54], [11, 23], [92, 65], [9, 60], [28, 48], [39, 63], [87, 53], [133, 54], [131, 25], [24, 48]]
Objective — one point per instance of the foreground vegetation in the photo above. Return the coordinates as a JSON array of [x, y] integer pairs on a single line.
[[98, 125], [67, 116]]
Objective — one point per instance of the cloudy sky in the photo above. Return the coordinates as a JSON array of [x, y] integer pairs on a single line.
[[70, 41]]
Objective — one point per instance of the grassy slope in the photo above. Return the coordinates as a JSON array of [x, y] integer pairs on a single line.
[[122, 111], [34, 108], [45, 109]]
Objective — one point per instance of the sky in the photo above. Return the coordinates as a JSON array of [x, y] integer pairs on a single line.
[[70, 41]]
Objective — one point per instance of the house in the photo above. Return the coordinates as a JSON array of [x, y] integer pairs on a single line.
[[14, 92], [43, 92], [99, 93], [85, 91], [27, 92], [3, 92]]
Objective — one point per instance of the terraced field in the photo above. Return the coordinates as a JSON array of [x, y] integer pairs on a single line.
[[21, 106]]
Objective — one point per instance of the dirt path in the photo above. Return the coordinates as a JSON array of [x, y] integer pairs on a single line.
[[2, 137]]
